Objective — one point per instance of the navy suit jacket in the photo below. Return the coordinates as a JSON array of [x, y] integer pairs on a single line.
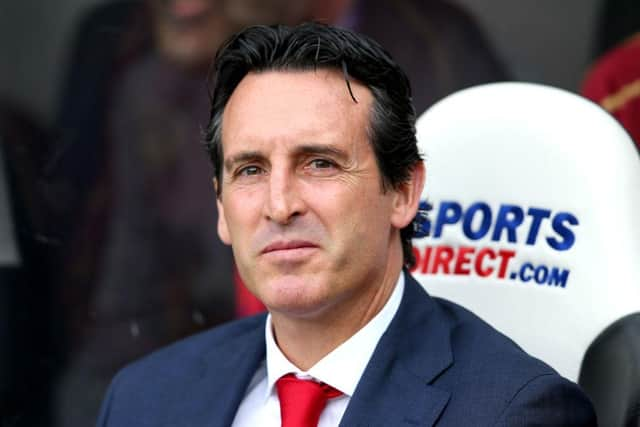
[[437, 364]]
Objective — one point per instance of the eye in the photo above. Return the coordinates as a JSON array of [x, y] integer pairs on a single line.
[[250, 170], [321, 164]]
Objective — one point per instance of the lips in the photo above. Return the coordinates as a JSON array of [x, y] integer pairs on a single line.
[[284, 246]]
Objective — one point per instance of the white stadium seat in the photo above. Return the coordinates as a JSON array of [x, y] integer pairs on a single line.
[[535, 223]]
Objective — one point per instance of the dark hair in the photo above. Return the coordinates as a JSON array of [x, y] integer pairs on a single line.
[[313, 45]]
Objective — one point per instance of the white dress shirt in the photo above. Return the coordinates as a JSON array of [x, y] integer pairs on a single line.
[[341, 369]]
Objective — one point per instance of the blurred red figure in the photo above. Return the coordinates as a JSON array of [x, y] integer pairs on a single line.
[[246, 303], [614, 83]]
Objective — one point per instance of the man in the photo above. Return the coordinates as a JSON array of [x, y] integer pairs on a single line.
[[318, 179], [139, 264]]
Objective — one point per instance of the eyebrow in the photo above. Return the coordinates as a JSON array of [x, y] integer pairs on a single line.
[[242, 157], [305, 149]]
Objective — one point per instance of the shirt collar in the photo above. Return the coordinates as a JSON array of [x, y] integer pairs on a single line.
[[343, 367]]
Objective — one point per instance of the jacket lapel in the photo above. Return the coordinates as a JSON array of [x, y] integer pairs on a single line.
[[395, 388]]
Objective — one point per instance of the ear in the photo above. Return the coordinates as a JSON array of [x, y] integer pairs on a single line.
[[407, 198], [223, 230]]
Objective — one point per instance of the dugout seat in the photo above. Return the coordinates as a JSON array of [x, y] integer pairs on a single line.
[[535, 197]]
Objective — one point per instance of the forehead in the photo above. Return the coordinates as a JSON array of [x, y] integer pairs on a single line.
[[301, 106]]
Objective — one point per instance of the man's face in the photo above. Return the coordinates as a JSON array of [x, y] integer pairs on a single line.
[[301, 197]]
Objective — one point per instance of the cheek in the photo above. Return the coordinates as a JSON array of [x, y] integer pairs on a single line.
[[329, 204], [370, 216], [241, 211], [352, 215]]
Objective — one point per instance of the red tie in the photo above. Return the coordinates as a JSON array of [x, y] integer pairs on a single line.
[[302, 401]]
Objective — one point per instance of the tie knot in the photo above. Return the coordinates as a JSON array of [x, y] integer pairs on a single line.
[[302, 401]]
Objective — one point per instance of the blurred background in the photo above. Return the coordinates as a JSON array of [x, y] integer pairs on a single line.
[[541, 40], [108, 246]]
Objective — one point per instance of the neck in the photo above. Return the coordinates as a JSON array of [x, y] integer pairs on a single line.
[[305, 341]]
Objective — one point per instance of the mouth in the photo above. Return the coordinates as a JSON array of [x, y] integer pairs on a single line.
[[289, 253], [290, 246]]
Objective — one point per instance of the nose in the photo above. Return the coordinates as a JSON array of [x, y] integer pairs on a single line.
[[284, 203]]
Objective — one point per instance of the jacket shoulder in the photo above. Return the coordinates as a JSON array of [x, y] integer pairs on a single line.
[[169, 387], [210, 344], [497, 380], [180, 364]]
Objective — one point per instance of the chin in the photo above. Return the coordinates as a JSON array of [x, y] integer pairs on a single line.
[[293, 295]]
